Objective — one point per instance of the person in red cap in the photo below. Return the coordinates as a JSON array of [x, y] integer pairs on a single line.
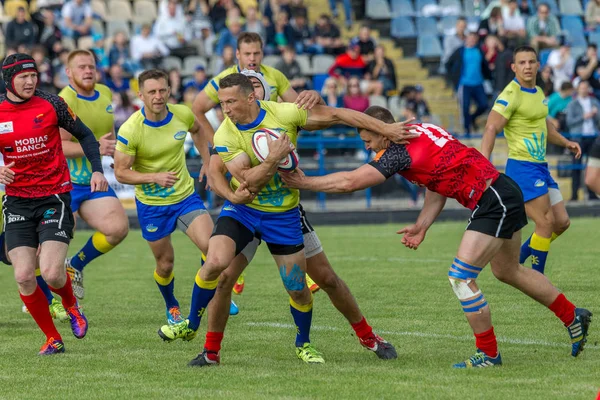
[[37, 209]]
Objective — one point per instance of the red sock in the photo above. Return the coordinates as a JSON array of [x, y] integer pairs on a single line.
[[38, 308], [486, 342], [66, 294], [213, 341], [362, 328], [563, 309]]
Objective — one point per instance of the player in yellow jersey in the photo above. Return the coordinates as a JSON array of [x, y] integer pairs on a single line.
[[102, 211], [521, 110], [249, 54], [274, 213], [150, 155]]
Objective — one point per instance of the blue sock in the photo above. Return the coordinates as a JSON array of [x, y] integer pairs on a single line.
[[539, 252], [202, 294], [94, 248], [525, 251], [302, 315], [167, 289], [44, 286]]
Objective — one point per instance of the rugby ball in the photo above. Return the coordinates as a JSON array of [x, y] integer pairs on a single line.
[[261, 149]]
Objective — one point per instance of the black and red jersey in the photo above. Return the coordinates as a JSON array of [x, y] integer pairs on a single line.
[[439, 162], [30, 136]]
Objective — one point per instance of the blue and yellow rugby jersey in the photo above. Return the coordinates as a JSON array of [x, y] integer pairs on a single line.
[[279, 83], [158, 147], [526, 111], [232, 140], [96, 112]]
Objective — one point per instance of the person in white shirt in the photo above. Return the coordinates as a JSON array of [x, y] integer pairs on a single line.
[[147, 49], [514, 23], [171, 29], [77, 19], [562, 63]]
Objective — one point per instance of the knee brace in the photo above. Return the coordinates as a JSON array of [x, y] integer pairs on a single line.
[[460, 274]]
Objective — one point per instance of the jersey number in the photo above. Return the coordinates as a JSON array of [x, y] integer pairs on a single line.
[[431, 130]]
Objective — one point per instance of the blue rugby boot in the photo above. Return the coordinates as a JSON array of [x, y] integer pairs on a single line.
[[578, 330], [480, 360]]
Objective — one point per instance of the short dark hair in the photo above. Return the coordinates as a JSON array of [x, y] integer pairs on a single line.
[[152, 74], [566, 86], [380, 113], [524, 49], [249, 37], [236, 79], [593, 46]]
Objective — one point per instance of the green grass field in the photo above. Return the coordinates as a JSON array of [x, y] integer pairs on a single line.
[[404, 294]]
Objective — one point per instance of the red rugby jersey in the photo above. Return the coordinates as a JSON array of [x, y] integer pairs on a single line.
[[439, 162], [30, 136]]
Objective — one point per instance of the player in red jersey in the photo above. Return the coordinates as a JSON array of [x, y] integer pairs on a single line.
[[448, 168], [37, 201]]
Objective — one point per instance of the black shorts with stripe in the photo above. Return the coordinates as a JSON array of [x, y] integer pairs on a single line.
[[31, 221], [501, 210]]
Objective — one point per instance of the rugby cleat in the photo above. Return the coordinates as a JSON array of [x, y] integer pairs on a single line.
[[233, 309], [309, 354], [24, 309], [578, 330], [205, 359], [383, 349], [312, 284], [76, 279], [174, 315], [52, 346], [58, 311], [238, 288], [480, 360], [169, 333], [79, 323]]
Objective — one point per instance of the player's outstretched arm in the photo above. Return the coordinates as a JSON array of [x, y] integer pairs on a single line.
[[218, 183], [495, 124], [339, 182], [321, 117], [74, 150], [555, 137]]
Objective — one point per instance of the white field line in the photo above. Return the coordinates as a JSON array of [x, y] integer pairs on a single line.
[[524, 342]]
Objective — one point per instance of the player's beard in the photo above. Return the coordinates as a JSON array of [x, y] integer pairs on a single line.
[[85, 85]]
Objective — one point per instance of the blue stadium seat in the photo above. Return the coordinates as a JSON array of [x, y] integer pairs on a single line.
[[451, 7], [403, 27], [429, 46], [422, 3], [378, 9], [426, 26], [470, 9], [447, 24], [573, 25], [544, 56], [551, 3], [594, 38], [402, 8], [570, 7]]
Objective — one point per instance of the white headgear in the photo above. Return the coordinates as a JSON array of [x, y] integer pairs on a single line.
[[253, 74]]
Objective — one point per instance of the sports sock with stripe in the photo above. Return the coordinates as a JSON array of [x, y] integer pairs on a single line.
[[167, 289], [94, 248], [302, 315], [539, 252]]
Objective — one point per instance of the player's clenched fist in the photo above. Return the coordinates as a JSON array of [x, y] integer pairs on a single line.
[[98, 183], [7, 175], [166, 179], [107, 145]]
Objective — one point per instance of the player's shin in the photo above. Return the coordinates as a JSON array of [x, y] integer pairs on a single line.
[[44, 286], [539, 252], [38, 308], [96, 246], [202, 294]]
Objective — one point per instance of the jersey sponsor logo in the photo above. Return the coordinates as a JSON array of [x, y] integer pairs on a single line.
[[49, 221], [49, 213], [151, 228], [9, 149], [109, 109], [545, 102], [229, 207], [31, 144], [37, 121], [274, 194], [14, 218], [62, 234], [539, 183], [180, 135], [6, 127], [28, 65]]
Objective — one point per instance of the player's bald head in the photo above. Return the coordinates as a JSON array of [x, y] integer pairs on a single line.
[[241, 80]]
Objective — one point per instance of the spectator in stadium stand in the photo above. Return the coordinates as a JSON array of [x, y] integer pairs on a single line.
[[557, 106], [59, 67], [492, 46], [171, 29], [586, 68], [543, 29], [226, 61], [289, 66], [354, 99], [218, 13], [366, 42], [175, 84], [254, 23], [197, 10], [206, 37], [382, 69], [467, 69], [418, 106], [99, 50], [349, 64], [279, 35], [77, 19], [272, 7], [514, 25], [117, 82], [45, 76], [297, 7], [494, 25], [119, 54], [547, 84], [122, 109], [347, 10], [199, 81], [332, 93], [583, 118], [524, 8], [328, 35], [19, 31], [229, 35], [592, 14], [562, 63], [453, 41], [303, 36], [146, 49], [49, 34]]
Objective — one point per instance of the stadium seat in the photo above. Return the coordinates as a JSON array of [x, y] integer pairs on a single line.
[[426, 26], [448, 24], [394, 106], [271, 61], [403, 27], [573, 27], [473, 23], [114, 26], [304, 62], [377, 101], [85, 43], [212, 66], [402, 8], [11, 6], [378, 9], [594, 38], [99, 9], [544, 56], [191, 62], [144, 11], [577, 52], [551, 3], [429, 46], [469, 8], [171, 62], [321, 63], [119, 10], [570, 7], [422, 3], [451, 7], [98, 27]]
